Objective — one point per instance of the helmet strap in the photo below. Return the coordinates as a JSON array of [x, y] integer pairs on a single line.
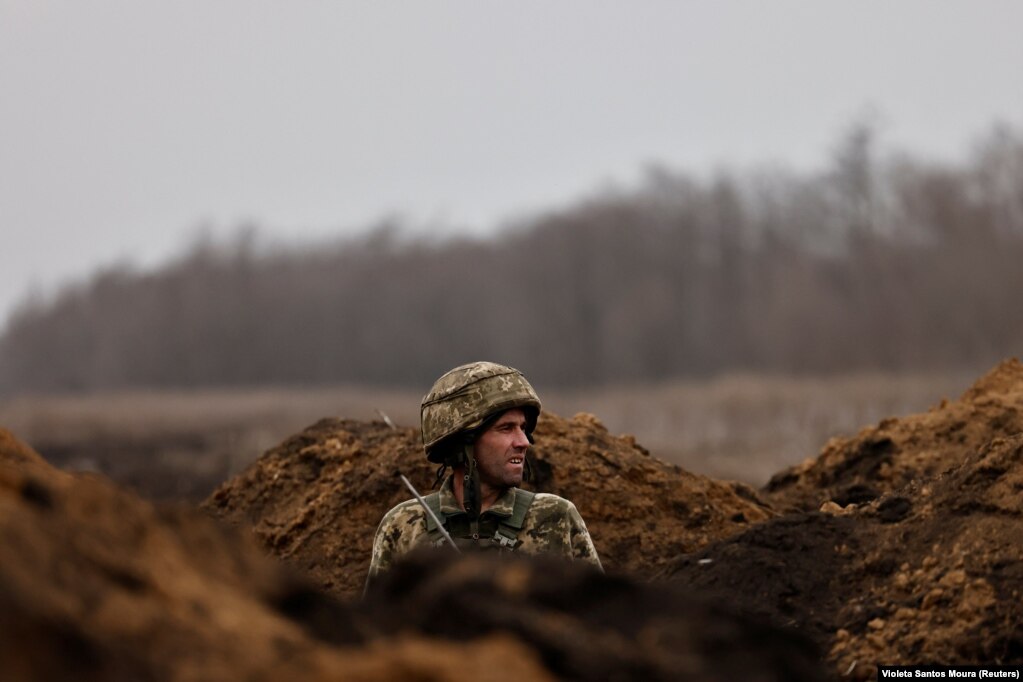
[[471, 483], [441, 470]]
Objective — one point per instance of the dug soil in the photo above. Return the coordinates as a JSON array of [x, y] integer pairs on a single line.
[[97, 584], [924, 563], [316, 499], [901, 545], [898, 451]]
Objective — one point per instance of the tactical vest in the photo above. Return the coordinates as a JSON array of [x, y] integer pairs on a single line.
[[490, 532]]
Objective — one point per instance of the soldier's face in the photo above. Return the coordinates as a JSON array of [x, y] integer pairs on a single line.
[[501, 450]]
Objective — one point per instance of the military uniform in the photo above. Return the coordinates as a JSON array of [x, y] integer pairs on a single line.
[[551, 525], [455, 412]]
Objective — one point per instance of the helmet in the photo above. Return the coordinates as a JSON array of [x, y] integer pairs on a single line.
[[463, 398]]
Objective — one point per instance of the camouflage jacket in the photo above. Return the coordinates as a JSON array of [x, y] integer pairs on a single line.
[[551, 525]]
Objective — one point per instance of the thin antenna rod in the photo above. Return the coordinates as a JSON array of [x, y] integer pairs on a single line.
[[440, 526]]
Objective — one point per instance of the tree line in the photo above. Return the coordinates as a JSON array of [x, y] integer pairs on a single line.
[[878, 262]]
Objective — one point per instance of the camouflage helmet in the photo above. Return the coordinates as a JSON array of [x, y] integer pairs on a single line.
[[463, 398]]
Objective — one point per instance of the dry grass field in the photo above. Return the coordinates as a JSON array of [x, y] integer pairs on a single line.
[[746, 427], [181, 444]]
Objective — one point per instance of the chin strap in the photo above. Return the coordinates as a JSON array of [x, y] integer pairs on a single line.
[[441, 470], [471, 485]]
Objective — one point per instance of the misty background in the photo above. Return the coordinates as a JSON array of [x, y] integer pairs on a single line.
[[888, 264], [733, 228]]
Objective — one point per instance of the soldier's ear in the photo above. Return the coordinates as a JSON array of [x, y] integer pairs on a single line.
[[451, 450], [532, 417]]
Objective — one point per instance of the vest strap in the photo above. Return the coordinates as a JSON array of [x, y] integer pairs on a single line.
[[523, 499], [433, 502], [507, 534]]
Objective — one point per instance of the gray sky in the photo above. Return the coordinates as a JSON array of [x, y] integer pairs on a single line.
[[124, 125]]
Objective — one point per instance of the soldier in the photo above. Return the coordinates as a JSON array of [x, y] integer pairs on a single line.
[[479, 420]]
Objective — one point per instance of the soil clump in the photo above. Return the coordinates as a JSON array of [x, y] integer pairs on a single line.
[[901, 545], [586, 625], [929, 571], [897, 451], [316, 499], [97, 584]]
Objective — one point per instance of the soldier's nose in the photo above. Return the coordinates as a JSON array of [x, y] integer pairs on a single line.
[[520, 439]]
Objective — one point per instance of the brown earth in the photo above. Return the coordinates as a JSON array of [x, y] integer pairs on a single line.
[[97, 584], [895, 452], [903, 545], [585, 625], [930, 571], [925, 568], [316, 499]]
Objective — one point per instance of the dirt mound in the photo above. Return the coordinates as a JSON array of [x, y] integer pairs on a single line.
[[583, 624], [904, 545], [896, 452], [929, 573], [96, 584], [946, 577], [316, 499]]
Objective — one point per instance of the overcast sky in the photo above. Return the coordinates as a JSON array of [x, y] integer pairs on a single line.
[[124, 125]]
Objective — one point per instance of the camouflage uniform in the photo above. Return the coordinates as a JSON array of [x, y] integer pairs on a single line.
[[452, 415], [552, 526]]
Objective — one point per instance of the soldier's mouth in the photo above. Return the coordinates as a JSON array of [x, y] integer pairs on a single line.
[[515, 460]]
